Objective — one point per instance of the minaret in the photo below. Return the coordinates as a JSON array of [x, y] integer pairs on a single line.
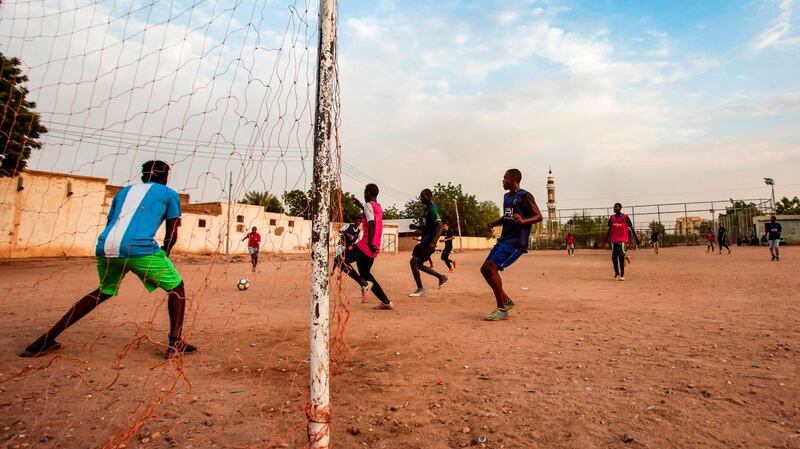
[[551, 196]]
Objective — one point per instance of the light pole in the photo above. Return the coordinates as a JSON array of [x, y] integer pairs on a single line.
[[771, 182]]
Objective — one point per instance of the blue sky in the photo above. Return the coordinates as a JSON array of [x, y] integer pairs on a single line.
[[633, 101], [636, 100]]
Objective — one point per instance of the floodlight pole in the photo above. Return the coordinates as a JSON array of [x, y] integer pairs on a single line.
[[319, 409]]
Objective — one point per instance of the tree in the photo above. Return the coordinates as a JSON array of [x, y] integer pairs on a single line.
[[268, 201], [297, 203], [20, 128], [657, 226], [392, 213], [343, 207], [475, 216], [788, 207]]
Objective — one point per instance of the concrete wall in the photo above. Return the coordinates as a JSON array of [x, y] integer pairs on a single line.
[[408, 243], [790, 227], [41, 218], [38, 218]]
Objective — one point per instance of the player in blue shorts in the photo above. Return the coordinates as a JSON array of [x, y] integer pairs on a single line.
[[520, 212], [127, 244]]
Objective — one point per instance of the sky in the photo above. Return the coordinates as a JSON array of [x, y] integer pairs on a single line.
[[637, 102]]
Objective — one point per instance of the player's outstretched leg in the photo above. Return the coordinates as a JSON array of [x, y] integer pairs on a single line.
[[47, 342], [364, 264]]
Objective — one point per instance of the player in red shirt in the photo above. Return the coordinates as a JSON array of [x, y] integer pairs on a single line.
[[710, 238], [253, 244], [570, 245]]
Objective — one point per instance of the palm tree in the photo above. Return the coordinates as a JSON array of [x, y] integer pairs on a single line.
[[268, 201]]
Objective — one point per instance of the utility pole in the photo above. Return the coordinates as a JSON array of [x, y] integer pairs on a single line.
[[458, 223], [318, 411], [228, 226]]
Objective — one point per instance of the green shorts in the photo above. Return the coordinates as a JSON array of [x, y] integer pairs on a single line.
[[155, 271]]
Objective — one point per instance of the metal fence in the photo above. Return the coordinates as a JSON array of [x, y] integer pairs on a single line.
[[679, 223]]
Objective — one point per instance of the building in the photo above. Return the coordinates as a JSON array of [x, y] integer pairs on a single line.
[[44, 214], [690, 225], [790, 227]]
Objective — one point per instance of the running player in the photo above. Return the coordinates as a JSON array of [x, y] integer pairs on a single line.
[[710, 240], [448, 235], [431, 229], [348, 235], [520, 212], [570, 244], [655, 235], [253, 243], [773, 230], [722, 240], [127, 244], [618, 235], [366, 250]]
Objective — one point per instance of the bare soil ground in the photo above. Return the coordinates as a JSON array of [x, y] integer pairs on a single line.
[[694, 350]]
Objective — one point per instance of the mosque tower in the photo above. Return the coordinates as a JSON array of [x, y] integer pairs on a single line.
[[551, 196]]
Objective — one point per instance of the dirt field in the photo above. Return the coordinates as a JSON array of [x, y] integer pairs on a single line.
[[692, 351]]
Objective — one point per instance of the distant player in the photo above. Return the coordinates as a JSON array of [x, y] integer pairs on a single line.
[[448, 235], [127, 244], [253, 244], [431, 229], [348, 236], [570, 245], [520, 212], [710, 241], [655, 236], [722, 239], [366, 249], [773, 230], [618, 235]]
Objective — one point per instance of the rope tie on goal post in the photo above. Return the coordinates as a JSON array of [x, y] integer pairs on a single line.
[[319, 415]]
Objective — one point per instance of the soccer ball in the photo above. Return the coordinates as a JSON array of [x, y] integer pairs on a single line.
[[243, 284]]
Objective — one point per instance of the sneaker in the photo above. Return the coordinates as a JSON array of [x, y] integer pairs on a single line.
[[509, 304], [621, 278], [497, 315], [384, 306], [179, 347], [616, 277], [417, 293], [365, 289], [442, 280], [40, 347]]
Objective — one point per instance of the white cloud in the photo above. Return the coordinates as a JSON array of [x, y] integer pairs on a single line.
[[777, 34], [574, 102]]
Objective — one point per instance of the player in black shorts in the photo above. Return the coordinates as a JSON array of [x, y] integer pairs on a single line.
[[431, 229], [722, 240], [448, 235]]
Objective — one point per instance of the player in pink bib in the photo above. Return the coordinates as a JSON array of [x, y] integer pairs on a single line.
[[366, 250], [619, 230]]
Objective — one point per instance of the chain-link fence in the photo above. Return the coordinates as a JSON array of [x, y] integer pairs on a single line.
[[677, 223]]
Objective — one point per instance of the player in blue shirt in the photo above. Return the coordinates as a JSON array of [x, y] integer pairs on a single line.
[[520, 213], [127, 244]]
